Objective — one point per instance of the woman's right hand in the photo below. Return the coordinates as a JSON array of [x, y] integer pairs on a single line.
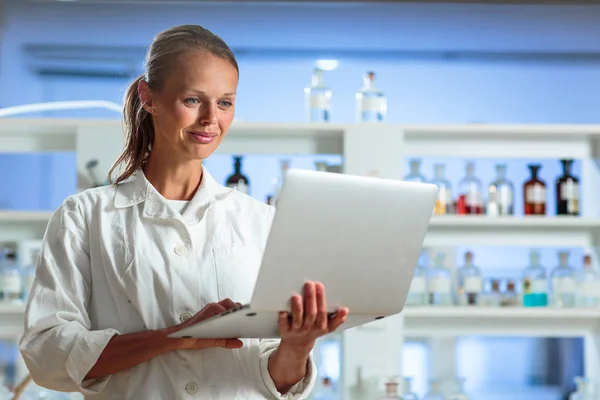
[[209, 311]]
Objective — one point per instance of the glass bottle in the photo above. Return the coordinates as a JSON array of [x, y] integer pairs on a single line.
[[391, 390], [584, 389], [321, 166], [407, 393], [12, 280], [534, 193], [417, 294], [359, 390], [318, 98], [439, 283], [415, 172], [563, 282], [500, 194], [371, 103], [458, 390], [237, 179], [470, 284], [510, 297], [589, 285], [535, 283], [435, 392], [277, 182], [567, 191], [326, 391], [470, 200], [444, 202]]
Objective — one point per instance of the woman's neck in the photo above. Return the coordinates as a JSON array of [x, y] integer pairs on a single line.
[[174, 180]]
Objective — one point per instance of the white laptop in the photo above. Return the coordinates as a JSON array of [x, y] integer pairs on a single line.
[[360, 236]]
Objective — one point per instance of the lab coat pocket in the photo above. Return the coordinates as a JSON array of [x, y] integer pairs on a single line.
[[236, 268]]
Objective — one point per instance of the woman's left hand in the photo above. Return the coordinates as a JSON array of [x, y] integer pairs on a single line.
[[309, 319]]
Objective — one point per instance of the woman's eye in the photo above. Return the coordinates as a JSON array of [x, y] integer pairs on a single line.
[[225, 103], [191, 101]]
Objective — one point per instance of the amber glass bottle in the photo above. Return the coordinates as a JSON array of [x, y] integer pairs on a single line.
[[534, 193], [567, 191]]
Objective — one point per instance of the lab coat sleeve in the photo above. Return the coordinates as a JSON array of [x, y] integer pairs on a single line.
[[301, 390], [59, 346]]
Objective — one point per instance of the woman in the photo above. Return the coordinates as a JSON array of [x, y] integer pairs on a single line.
[[125, 265]]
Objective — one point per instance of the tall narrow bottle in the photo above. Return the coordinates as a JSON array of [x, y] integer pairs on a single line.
[[439, 282], [535, 283], [534, 193], [415, 172], [12, 279], [444, 203], [470, 198], [589, 285], [317, 98], [470, 283], [237, 179], [417, 294], [371, 103], [500, 194], [563, 282], [407, 393], [567, 191]]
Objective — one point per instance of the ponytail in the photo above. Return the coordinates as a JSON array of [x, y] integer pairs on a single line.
[[139, 135]]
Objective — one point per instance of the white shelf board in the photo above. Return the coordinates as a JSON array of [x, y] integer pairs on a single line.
[[488, 321], [12, 217], [543, 231], [11, 321]]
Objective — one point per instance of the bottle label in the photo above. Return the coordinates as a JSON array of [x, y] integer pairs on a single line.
[[505, 196], [569, 190], [240, 187], [473, 198], [563, 285], [373, 104], [493, 209], [473, 284], [12, 284], [590, 289], [536, 194], [443, 201], [439, 285], [319, 101], [539, 286], [418, 285]]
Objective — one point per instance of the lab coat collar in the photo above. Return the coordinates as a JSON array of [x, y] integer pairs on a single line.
[[138, 189]]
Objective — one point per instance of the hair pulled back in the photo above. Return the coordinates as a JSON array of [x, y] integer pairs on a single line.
[[165, 49]]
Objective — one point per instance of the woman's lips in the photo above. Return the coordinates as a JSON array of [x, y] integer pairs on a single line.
[[203, 137]]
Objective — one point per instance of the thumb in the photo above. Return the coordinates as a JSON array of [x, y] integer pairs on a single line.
[[228, 343]]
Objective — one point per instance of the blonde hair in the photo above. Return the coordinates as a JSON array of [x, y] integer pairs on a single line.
[[164, 50]]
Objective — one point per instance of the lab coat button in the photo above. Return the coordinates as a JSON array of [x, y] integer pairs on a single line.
[[191, 388], [185, 317], [180, 249]]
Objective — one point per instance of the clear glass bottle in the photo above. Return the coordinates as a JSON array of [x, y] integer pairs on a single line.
[[317, 98], [415, 172], [584, 390], [237, 179], [470, 197], [277, 182], [510, 298], [501, 194], [535, 283], [391, 390], [371, 103], [567, 191], [407, 393], [417, 294], [588, 284], [435, 391], [444, 203], [12, 280], [470, 283], [563, 282], [458, 390], [439, 283]]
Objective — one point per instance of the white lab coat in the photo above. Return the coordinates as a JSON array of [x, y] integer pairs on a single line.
[[121, 259]]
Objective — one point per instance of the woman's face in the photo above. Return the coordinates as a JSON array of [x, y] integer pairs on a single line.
[[194, 109]]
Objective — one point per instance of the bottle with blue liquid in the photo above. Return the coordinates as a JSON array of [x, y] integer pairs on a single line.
[[535, 283]]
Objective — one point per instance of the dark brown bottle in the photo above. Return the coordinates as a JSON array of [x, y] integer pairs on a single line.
[[534, 193], [567, 191], [238, 180]]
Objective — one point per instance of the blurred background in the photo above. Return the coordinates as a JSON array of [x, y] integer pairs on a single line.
[[437, 63]]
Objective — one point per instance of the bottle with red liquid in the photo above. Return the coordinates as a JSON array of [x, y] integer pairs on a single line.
[[534, 193], [470, 195]]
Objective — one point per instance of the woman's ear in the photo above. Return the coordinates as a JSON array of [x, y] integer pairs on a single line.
[[145, 95]]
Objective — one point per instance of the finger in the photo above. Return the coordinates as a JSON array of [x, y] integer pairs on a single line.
[[297, 312], [228, 303], [212, 310], [322, 319], [310, 306], [283, 324], [233, 344], [340, 317]]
